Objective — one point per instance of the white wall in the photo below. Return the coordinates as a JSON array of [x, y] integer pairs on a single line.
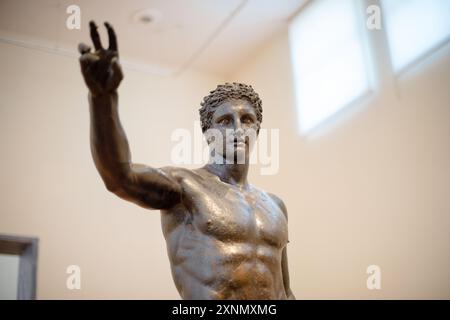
[[49, 185], [368, 187]]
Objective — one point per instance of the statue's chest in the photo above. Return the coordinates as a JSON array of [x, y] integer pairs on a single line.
[[230, 214]]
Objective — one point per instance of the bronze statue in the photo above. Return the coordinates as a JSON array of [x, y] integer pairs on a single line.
[[226, 239]]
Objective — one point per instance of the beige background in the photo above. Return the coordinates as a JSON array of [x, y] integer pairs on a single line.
[[371, 186]]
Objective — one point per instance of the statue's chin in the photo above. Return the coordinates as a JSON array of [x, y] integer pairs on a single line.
[[220, 159], [232, 154]]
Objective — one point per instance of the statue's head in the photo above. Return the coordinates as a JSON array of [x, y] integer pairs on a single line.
[[233, 110]]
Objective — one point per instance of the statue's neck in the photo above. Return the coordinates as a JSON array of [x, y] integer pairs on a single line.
[[234, 174]]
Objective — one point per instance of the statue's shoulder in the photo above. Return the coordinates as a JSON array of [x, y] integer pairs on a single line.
[[179, 172], [279, 202], [262, 193]]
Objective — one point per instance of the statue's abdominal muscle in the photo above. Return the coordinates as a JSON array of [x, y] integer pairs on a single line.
[[225, 240]]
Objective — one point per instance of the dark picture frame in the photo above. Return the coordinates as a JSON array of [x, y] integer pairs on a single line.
[[27, 250]]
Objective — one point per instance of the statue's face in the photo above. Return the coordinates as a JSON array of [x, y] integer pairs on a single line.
[[235, 122]]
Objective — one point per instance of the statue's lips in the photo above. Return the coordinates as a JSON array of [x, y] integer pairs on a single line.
[[239, 143]]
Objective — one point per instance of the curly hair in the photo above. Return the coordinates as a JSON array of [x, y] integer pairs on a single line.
[[225, 92]]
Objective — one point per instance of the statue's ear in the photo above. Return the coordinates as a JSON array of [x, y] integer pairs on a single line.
[[208, 136]]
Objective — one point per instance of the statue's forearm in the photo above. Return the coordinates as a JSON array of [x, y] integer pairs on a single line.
[[109, 145]]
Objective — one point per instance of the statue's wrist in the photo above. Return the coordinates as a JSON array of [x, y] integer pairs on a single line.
[[103, 95]]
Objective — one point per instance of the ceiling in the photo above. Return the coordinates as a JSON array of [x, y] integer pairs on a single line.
[[214, 36]]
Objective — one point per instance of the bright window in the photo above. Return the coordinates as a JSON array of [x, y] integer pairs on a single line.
[[414, 27], [328, 60]]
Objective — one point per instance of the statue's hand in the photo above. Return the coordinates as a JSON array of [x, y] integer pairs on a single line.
[[101, 70]]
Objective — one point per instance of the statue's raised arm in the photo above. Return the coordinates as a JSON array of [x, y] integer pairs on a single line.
[[148, 187]]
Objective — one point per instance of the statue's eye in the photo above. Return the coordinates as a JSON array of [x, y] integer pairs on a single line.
[[225, 121], [248, 120]]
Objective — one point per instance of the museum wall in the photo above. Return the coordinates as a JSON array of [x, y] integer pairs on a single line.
[[51, 189], [369, 187]]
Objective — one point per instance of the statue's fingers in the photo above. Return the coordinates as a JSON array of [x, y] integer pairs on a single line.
[[106, 60], [89, 79], [88, 58], [88, 62], [109, 56], [95, 36], [83, 48], [112, 37], [116, 68], [85, 61], [117, 75]]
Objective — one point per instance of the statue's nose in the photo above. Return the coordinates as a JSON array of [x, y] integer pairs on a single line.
[[237, 125], [238, 132]]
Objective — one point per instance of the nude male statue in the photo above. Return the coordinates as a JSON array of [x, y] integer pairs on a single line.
[[226, 239]]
